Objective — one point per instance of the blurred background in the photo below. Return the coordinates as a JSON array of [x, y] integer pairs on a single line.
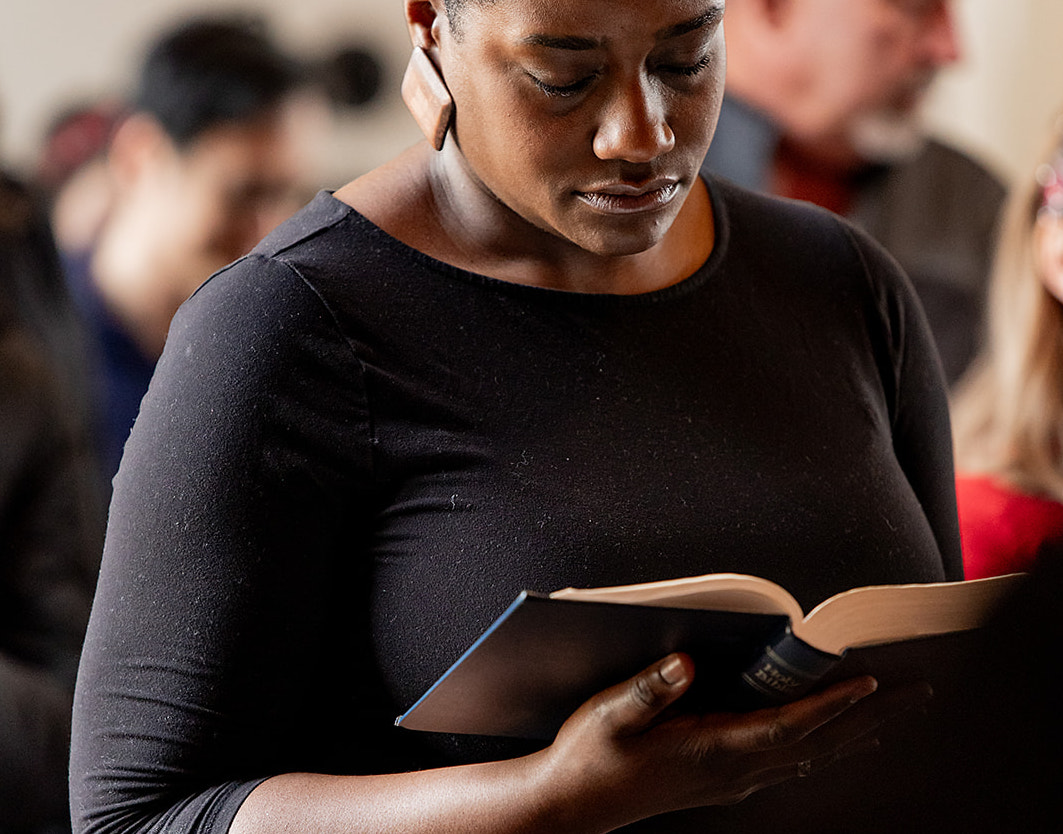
[[54, 53], [58, 53]]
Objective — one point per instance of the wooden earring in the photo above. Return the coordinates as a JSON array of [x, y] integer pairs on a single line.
[[427, 97]]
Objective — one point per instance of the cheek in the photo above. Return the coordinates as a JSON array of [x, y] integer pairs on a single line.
[[204, 220], [694, 122], [1048, 255], [517, 153]]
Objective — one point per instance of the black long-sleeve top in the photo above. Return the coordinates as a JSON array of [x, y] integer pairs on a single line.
[[352, 457]]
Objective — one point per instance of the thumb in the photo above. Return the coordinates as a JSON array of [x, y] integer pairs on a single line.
[[631, 707]]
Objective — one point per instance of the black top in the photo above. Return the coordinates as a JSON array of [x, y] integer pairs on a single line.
[[352, 457]]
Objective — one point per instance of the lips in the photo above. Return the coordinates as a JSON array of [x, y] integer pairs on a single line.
[[626, 198]]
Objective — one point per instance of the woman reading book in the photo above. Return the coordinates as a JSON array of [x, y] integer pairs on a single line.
[[535, 351]]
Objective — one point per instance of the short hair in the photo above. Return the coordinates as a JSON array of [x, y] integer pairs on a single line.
[[210, 71], [454, 8]]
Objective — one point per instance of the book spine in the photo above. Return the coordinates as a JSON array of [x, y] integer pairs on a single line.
[[785, 670]]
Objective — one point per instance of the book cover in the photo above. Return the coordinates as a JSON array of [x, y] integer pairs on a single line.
[[545, 655]]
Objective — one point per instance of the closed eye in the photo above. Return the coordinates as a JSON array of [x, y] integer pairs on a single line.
[[563, 90], [687, 70]]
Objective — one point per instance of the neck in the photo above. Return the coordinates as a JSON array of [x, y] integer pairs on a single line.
[[457, 222]]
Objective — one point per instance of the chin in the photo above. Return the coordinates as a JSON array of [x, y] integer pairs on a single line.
[[888, 136], [619, 237], [620, 245]]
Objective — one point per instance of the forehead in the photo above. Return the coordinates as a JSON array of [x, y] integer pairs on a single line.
[[597, 20]]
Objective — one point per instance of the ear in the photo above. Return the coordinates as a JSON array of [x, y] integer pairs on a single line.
[[1048, 252], [138, 145], [424, 19], [423, 89]]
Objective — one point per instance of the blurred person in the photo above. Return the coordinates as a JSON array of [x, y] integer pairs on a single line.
[[210, 156], [1008, 411], [51, 521], [823, 105], [72, 173]]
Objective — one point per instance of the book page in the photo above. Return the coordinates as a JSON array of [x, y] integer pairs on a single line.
[[716, 591], [887, 613]]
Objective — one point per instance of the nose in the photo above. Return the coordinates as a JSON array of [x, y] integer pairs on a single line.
[[941, 40], [633, 126]]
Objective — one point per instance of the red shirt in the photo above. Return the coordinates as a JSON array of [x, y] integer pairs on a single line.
[[1001, 528]]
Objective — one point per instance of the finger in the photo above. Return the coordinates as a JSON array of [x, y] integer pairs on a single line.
[[854, 732], [786, 769], [769, 729], [870, 715], [633, 706]]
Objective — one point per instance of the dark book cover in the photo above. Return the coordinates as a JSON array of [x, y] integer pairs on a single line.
[[544, 657]]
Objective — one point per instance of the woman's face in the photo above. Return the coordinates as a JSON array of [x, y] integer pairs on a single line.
[[1048, 252], [588, 119]]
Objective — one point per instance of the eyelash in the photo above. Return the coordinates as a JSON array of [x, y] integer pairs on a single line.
[[554, 91], [566, 90], [690, 70]]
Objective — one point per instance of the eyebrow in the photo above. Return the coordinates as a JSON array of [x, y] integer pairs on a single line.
[[574, 43], [712, 16]]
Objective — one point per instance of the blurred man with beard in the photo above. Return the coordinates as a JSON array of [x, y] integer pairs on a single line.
[[822, 105], [211, 155]]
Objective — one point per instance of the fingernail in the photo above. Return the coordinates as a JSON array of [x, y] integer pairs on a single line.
[[672, 671], [869, 686]]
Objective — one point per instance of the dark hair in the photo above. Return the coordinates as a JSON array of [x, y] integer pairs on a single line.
[[454, 9], [210, 71], [76, 136]]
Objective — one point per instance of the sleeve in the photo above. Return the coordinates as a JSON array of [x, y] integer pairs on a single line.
[[50, 535], [243, 477], [916, 393]]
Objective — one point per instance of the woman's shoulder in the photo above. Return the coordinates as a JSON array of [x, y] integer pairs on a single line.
[[779, 236], [256, 305], [327, 254], [791, 228]]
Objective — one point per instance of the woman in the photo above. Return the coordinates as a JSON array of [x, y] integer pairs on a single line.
[[537, 351], [1009, 411]]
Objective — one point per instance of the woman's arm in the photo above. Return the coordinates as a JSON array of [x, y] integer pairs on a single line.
[[617, 760], [914, 385]]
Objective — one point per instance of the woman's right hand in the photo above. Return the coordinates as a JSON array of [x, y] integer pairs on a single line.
[[624, 755]]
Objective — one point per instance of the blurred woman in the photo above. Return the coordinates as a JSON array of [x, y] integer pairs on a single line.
[[1008, 413]]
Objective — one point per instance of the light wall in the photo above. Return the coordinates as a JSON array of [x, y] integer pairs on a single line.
[[1002, 98], [997, 103]]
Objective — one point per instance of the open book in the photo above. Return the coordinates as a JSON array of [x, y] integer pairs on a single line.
[[751, 643]]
